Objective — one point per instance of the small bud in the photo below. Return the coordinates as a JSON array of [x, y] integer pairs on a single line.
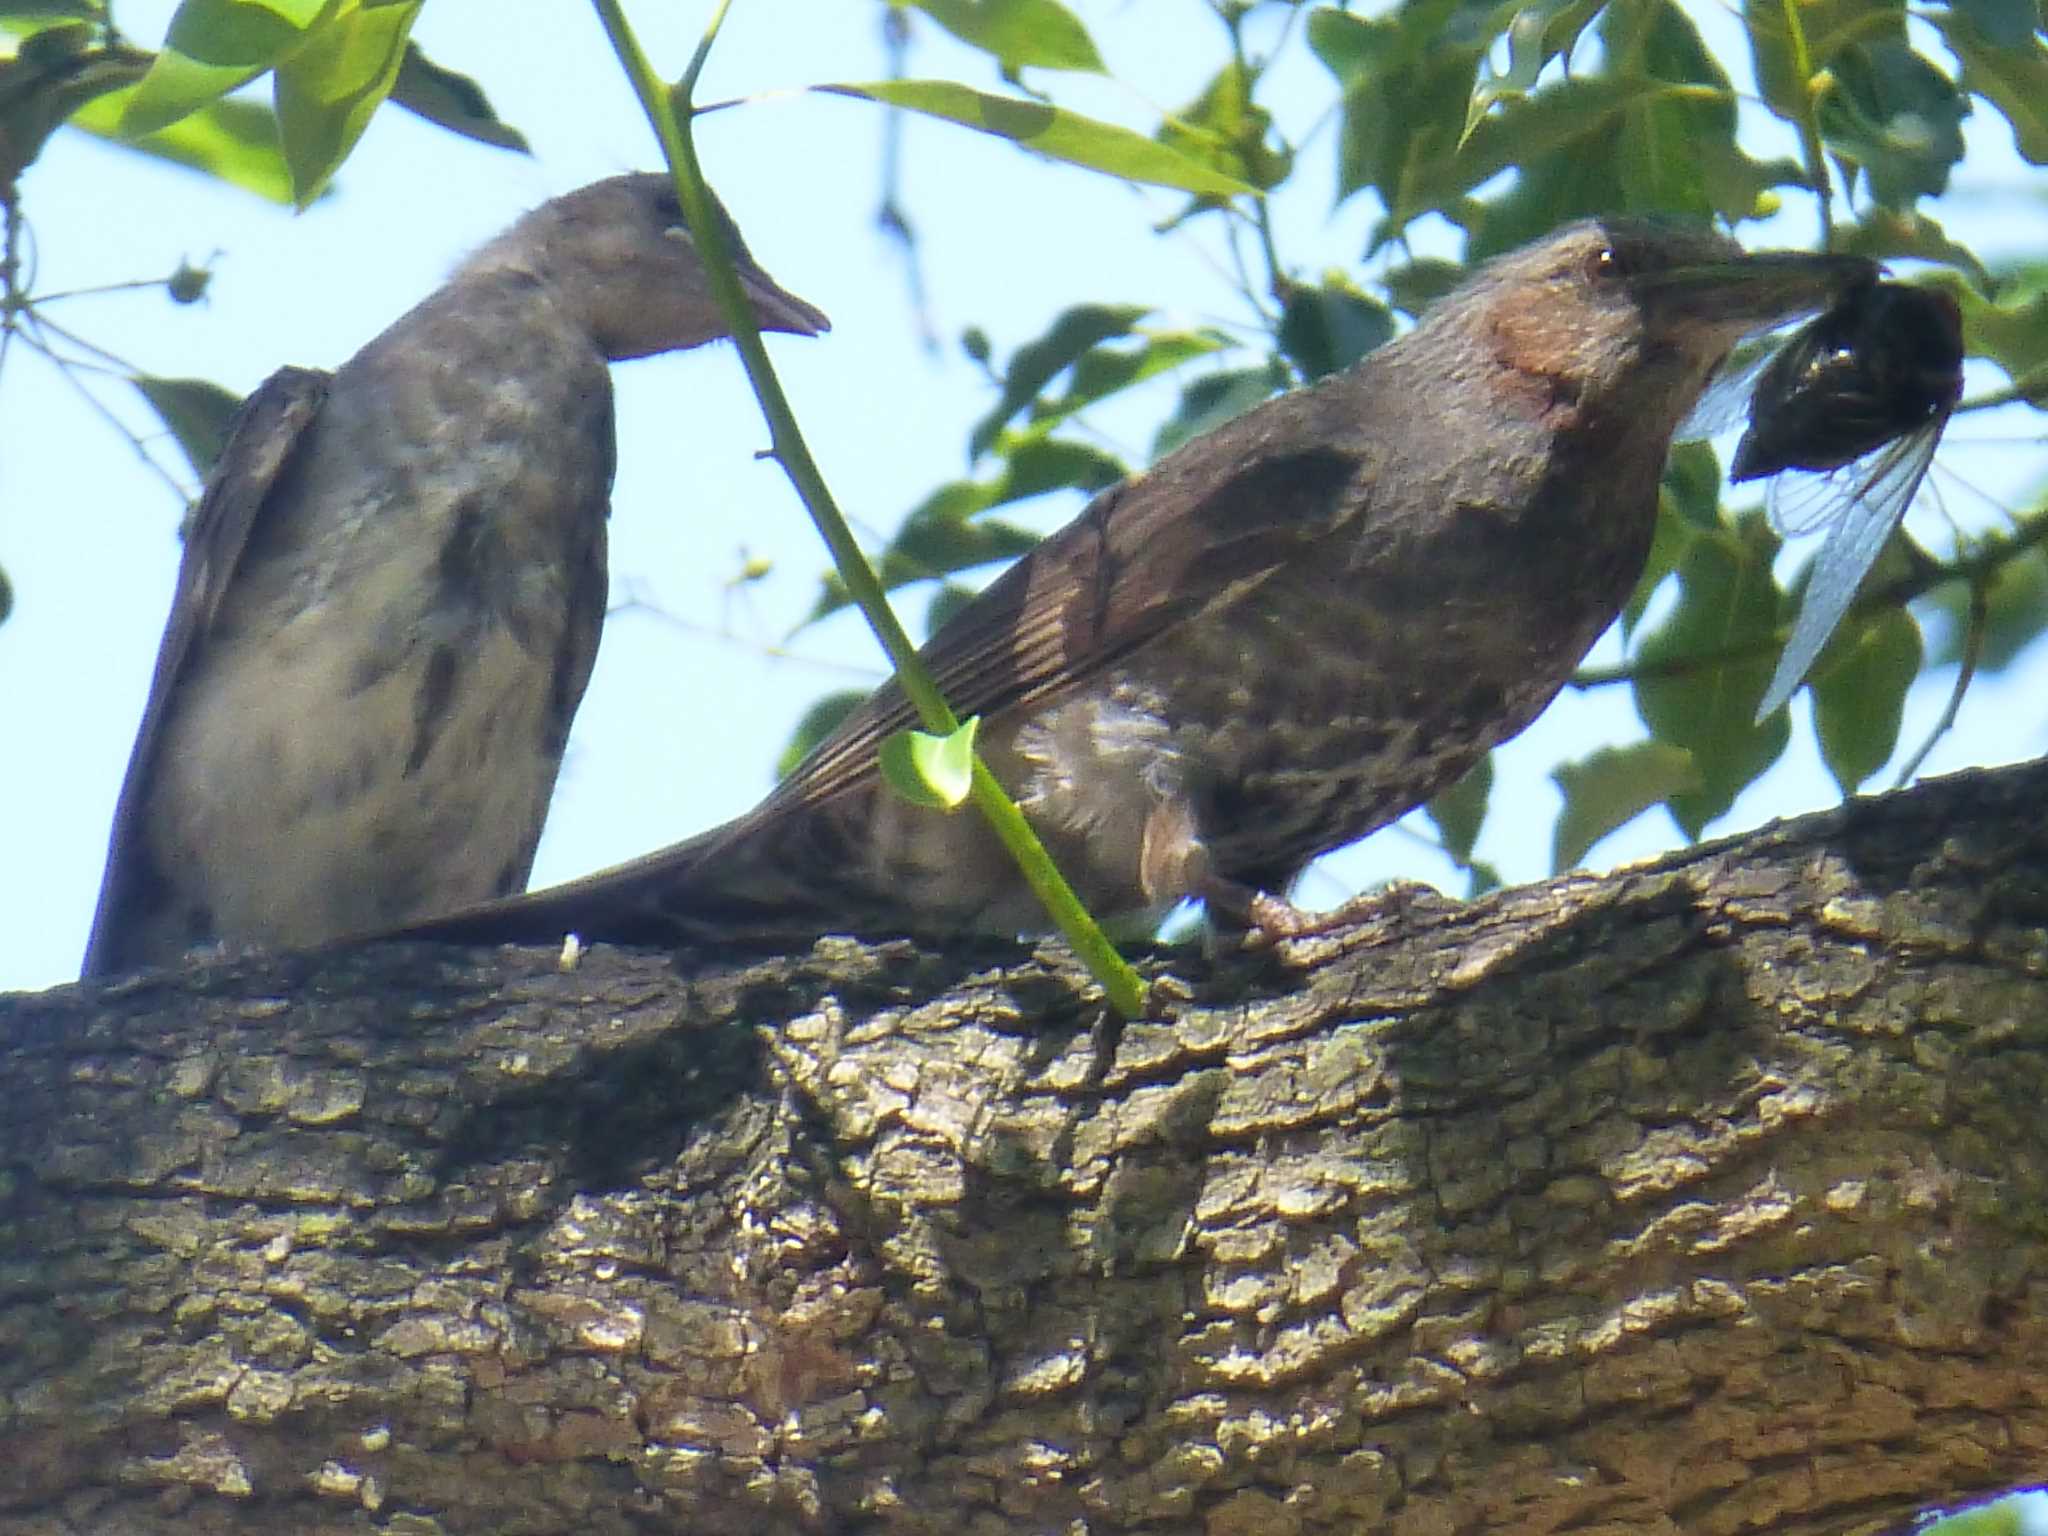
[[974, 342], [187, 285]]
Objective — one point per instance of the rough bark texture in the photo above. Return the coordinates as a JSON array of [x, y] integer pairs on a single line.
[[1710, 1196]]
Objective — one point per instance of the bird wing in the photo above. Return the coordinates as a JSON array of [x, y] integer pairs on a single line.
[[1200, 531], [1203, 528], [260, 442]]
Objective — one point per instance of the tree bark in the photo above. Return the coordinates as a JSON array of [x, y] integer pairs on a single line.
[[1708, 1196]]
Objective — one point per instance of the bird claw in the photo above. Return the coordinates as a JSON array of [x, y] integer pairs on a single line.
[[1259, 920]]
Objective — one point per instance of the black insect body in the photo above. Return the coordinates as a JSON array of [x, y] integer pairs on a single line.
[[1847, 414]]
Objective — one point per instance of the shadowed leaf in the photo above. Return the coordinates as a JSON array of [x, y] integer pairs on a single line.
[[1610, 788]]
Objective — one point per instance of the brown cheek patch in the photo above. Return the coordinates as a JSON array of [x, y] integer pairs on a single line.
[[1534, 345]]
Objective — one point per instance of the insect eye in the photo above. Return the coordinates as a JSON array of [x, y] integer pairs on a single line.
[[1607, 265]]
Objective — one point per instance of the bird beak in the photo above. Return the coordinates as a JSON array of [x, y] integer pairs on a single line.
[[1749, 292], [777, 309]]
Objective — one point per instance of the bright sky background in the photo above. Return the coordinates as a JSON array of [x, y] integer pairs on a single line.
[[687, 712]]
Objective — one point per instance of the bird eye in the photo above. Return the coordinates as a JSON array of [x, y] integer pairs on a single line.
[[1606, 265]]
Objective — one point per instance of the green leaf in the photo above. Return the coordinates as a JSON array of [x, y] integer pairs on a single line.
[[1460, 811], [1653, 131], [1700, 675], [819, 721], [1037, 363], [1050, 131], [328, 89], [947, 601], [932, 771], [2009, 72], [1215, 398], [1896, 117], [2011, 328], [6, 597], [235, 142], [1406, 78], [1101, 372], [2007, 1515], [453, 101], [1859, 694], [1679, 522], [196, 411], [1539, 33], [28, 15], [1887, 234], [1018, 34], [2015, 601], [1828, 26], [1036, 464], [940, 537], [1227, 131], [55, 72], [1323, 329], [2003, 23], [213, 47], [1415, 285], [1610, 788]]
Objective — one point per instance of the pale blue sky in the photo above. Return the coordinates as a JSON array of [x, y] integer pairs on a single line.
[[687, 713]]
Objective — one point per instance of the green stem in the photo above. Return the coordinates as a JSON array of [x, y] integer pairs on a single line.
[[1810, 147], [669, 114]]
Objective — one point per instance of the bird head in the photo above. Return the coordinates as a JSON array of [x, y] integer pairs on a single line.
[[1631, 317], [618, 254]]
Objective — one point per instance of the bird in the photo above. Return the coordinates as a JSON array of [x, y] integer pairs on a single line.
[[390, 594], [1282, 636]]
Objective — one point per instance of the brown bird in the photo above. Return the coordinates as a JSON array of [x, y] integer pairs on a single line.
[[1285, 634], [391, 593]]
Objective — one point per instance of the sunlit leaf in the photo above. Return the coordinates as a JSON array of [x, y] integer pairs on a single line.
[[213, 47], [234, 141], [932, 771], [1227, 130], [1050, 131], [1018, 34], [329, 88]]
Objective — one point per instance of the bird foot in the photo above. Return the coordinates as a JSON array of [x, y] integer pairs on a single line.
[[1261, 920]]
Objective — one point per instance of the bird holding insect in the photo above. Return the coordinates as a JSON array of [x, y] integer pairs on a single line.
[[1846, 414]]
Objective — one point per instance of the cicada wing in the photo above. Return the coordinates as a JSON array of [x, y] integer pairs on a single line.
[[1888, 481]]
